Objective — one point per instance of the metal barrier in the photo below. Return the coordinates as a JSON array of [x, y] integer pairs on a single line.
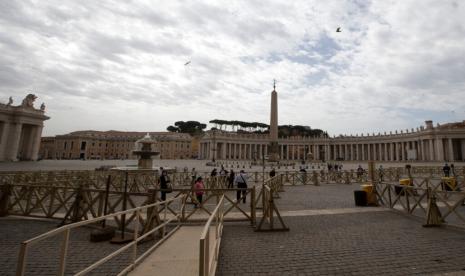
[[208, 261], [65, 230]]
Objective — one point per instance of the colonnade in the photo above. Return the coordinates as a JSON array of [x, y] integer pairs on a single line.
[[20, 131], [348, 149], [19, 141]]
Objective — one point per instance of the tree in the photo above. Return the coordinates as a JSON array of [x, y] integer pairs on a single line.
[[172, 129], [190, 127]]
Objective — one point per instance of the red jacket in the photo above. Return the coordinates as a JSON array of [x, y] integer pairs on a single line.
[[198, 187]]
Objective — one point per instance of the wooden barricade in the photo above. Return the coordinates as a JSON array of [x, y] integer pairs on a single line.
[[269, 211], [426, 198]]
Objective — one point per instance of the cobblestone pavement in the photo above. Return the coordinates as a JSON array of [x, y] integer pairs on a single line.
[[326, 196], [365, 243], [368, 243], [378, 243], [43, 256]]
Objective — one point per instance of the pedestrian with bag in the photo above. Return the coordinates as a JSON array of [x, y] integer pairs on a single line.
[[165, 185], [241, 182]]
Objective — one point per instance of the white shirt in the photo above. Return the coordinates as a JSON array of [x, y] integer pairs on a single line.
[[241, 178]]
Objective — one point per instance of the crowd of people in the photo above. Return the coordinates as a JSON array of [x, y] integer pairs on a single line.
[[233, 180], [239, 180]]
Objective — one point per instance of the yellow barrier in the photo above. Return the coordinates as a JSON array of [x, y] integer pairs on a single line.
[[405, 181], [371, 196], [448, 183]]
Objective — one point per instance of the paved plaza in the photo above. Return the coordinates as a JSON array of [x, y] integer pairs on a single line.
[[199, 165], [328, 236], [359, 242]]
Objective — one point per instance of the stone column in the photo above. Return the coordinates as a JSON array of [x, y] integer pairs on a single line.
[[431, 150], [439, 149], [325, 152], [380, 152], [451, 150], [223, 150], [385, 152], [37, 133], [420, 150], [391, 151], [363, 152], [462, 146], [13, 141], [3, 139]]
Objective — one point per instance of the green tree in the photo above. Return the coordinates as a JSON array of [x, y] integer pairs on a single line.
[[190, 127]]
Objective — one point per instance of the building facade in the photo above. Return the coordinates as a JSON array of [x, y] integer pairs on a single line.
[[21, 129], [114, 145], [428, 143]]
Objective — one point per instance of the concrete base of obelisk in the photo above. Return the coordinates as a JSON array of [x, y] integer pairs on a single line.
[[273, 155]]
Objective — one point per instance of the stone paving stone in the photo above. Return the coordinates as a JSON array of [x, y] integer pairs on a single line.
[[43, 257], [326, 196], [351, 244]]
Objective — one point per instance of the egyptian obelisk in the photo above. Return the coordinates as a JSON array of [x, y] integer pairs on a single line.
[[273, 155]]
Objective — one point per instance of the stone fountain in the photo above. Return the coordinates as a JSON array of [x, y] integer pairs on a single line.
[[144, 151]]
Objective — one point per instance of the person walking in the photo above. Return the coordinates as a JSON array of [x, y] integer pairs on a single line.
[[381, 173], [193, 176], [214, 172], [164, 184], [241, 182], [359, 172], [199, 191], [272, 173], [446, 170], [231, 179], [223, 172]]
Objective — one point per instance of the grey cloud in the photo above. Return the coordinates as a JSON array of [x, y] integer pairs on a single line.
[[164, 46], [12, 78]]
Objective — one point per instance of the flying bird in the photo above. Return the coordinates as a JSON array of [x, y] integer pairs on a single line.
[[187, 63], [338, 30]]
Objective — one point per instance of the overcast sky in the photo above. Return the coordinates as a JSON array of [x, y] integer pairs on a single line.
[[121, 64]]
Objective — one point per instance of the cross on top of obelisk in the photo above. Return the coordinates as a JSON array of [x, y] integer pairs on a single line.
[[274, 84]]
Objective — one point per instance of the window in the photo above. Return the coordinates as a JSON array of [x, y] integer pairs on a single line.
[[64, 145], [83, 145]]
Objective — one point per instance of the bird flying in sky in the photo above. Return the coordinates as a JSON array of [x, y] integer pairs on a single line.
[[187, 63], [338, 30]]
